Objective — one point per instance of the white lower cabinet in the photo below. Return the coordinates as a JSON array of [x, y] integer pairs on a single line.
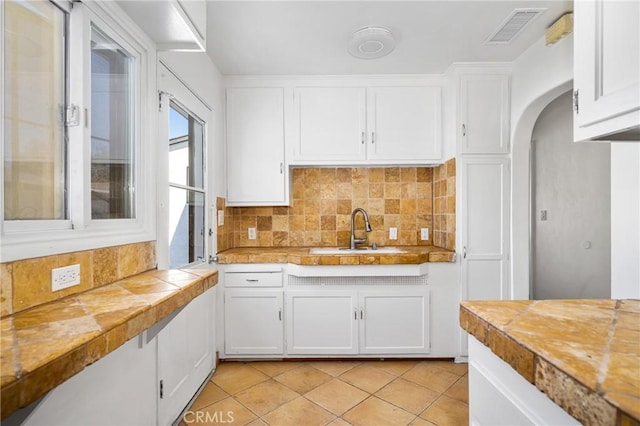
[[185, 354], [322, 322], [394, 322], [253, 321], [348, 322], [119, 389]]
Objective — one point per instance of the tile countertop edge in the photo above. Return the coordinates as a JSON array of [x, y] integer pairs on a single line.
[[23, 388], [302, 256], [538, 370]]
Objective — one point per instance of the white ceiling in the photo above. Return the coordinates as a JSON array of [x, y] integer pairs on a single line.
[[311, 37]]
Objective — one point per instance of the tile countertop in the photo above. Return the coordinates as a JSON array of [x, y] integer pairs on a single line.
[[302, 256], [44, 346], [583, 354]]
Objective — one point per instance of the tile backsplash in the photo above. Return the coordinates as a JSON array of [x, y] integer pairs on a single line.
[[27, 283], [322, 200], [444, 205]]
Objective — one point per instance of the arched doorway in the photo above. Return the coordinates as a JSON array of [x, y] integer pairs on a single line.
[[570, 209]]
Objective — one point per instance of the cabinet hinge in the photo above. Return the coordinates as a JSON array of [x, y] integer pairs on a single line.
[[576, 101], [161, 389]]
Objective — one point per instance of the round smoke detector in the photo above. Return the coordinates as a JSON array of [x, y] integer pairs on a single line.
[[371, 43]]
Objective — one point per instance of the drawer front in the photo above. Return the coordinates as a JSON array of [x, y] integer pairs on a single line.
[[253, 279]]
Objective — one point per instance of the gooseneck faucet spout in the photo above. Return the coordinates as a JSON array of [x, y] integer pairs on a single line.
[[367, 227]]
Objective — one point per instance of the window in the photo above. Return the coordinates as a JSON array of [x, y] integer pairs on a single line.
[[77, 113], [112, 137], [186, 188], [35, 90]]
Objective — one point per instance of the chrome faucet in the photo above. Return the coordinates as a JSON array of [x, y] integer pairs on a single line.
[[367, 227]]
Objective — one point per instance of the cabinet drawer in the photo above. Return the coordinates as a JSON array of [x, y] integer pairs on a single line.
[[253, 279]]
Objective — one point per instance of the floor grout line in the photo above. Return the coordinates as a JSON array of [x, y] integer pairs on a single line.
[[413, 417]]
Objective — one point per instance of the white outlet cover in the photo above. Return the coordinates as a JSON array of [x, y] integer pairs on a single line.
[[220, 217], [251, 233], [65, 277], [393, 233], [424, 234]]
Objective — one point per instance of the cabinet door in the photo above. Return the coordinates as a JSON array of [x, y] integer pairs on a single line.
[[185, 354], [394, 322], [322, 322], [606, 63], [484, 227], [484, 114], [331, 124], [255, 147], [253, 321], [404, 123]]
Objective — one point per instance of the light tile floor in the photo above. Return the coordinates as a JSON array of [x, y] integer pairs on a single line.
[[301, 393]]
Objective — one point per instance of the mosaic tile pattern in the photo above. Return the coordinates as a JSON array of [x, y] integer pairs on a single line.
[[444, 205], [322, 200], [583, 354], [26, 283], [354, 392], [43, 346], [226, 231]]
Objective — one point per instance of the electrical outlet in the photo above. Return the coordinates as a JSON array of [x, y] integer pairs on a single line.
[[393, 233], [252, 233], [220, 217], [65, 277], [424, 234]]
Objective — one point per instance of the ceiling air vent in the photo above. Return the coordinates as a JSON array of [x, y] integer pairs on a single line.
[[513, 25]]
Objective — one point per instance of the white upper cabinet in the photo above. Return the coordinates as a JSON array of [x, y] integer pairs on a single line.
[[483, 113], [368, 126], [332, 124], [256, 172], [404, 123], [606, 70]]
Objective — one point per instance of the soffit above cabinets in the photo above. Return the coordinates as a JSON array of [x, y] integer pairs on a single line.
[[270, 37], [172, 24]]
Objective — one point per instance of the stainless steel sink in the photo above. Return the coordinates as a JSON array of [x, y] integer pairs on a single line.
[[360, 250]]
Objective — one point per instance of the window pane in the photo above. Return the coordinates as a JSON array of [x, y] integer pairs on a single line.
[[112, 141], [186, 226], [178, 146], [34, 98], [186, 149]]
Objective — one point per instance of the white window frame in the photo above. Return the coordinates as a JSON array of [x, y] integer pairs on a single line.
[[28, 239], [172, 89]]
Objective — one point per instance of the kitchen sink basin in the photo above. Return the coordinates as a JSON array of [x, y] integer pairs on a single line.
[[359, 250]]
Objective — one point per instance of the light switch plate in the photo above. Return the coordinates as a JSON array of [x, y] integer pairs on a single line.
[[424, 234], [220, 217], [251, 233], [393, 233]]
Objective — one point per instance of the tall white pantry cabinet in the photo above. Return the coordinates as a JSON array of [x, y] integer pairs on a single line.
[[483, 179]]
